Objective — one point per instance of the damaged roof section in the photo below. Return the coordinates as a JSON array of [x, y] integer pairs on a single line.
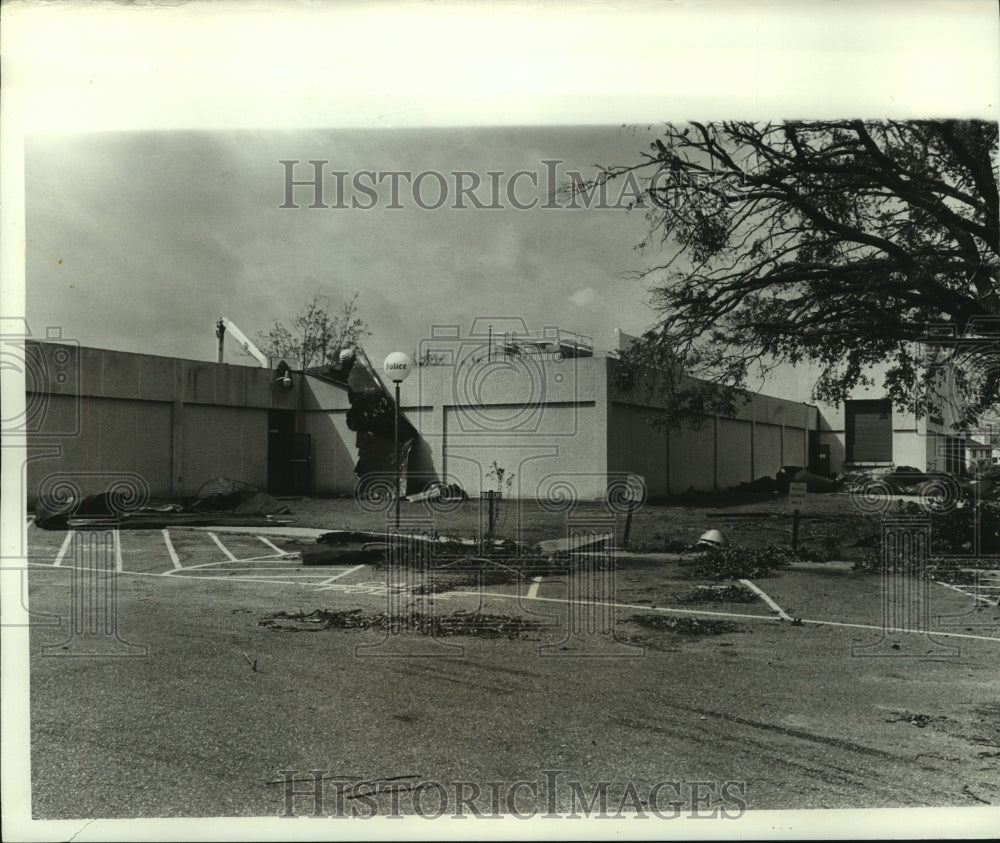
[[372, 418]]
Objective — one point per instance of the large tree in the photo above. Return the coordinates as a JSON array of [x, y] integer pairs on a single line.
[[318, 332], [832, 242]]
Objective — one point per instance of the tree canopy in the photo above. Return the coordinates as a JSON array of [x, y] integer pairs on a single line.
[[830, 242], [318, 332]]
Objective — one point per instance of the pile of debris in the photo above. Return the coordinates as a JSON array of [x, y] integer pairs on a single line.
[[438, 626], [908, 480], [685, 625], [219, 502], [788, 474], [356, 547], [717, 594]]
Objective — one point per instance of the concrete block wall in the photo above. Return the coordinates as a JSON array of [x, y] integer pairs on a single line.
[[176, 423], [540, 420], [762, 435], [552, 425]]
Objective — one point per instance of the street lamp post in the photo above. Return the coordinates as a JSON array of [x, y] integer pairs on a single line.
[[397, 367]]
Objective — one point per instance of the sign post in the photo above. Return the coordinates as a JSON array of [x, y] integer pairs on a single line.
[[634, 491], [796, 497], [397, 366]]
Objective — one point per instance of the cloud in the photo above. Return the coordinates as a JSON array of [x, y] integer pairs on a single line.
[[584, 297]]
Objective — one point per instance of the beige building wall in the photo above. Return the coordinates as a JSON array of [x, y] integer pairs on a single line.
[[552, 425], [918, 442], [762, 435], [541, 420], [175, 423]]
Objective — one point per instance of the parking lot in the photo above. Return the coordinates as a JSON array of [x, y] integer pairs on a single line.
[[217, 674]]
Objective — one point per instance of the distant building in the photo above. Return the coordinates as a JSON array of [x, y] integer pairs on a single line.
[[541, 405], [547, 413]]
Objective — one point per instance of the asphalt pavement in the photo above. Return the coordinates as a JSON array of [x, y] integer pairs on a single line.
[[196, 708]]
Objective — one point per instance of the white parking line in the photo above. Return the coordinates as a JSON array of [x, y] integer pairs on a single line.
[[380, 589], [223, 548], [269, 543], [276, 560], [663, 609], [62, 550], [781, 612], [261, 571], [533, 588], [989, 600], [342, 574], [170, 549]]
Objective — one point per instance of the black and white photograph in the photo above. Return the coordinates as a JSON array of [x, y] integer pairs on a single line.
[[500, 421]]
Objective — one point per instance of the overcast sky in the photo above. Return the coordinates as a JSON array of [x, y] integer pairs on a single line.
[[140, 240], [152, 138]]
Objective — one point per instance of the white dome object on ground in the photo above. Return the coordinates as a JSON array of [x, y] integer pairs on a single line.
[[713, 538]]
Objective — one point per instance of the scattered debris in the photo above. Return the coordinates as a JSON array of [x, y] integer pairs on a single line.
[[456, 623], [685, 625], [219, 502], [344, 547], [717, 594], [585, 541], [951, 574], [734, 562], [918, 720], [474, 572], [439, 492], [815, 483], [662, 544], [251, 662], [788, 474], [355, 547]]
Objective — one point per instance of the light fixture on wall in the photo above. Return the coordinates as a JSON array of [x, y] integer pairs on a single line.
[[284, 375]]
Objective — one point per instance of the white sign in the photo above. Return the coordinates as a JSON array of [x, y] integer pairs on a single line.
[[796, 493], [397, 366], [635, 488]]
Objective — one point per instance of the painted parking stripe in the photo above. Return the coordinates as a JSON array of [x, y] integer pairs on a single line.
[[278, 562], [781, 612], [497, 595], [533, 588], [261, 572], [269, 543], [62, 550], [223, 548], [170, 549], [665, 610], [342, 574], [195, 578], [989, 600]]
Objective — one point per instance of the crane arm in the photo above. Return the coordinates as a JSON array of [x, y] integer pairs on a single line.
[[224, 325]]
